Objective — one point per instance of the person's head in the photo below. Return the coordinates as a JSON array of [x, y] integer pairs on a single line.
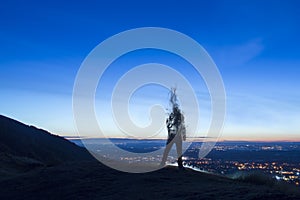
[[176, 110]]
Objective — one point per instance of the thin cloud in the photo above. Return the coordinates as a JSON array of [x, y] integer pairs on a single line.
[[238, 55]]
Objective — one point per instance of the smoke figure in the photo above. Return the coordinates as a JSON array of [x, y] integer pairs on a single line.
[[176, 130]]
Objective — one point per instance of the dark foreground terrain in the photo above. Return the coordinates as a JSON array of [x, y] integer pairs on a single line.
[[90, 180], [70, 173]]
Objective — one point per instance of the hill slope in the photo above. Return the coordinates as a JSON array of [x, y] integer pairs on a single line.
[[23, 147], [91, 180], [61, 170]]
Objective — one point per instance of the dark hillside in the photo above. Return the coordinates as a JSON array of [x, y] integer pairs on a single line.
[[23, 147]]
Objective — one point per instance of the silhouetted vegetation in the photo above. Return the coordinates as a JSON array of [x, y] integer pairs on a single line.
[[256, 177], [260, 178]]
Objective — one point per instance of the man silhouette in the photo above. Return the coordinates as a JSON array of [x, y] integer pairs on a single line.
[[176, 131]]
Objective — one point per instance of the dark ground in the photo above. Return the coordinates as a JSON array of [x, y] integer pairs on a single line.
[[91, 180]]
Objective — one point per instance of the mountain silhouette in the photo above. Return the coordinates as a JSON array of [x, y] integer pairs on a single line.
[[24, 147], [35, 164]]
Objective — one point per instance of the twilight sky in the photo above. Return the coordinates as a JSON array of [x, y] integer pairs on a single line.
[[255, 45]]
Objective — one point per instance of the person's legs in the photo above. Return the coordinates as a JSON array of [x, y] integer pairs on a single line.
[[169, 145], [178, 143]]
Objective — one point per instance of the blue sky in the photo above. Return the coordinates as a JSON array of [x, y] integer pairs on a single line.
[[255, 45]]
